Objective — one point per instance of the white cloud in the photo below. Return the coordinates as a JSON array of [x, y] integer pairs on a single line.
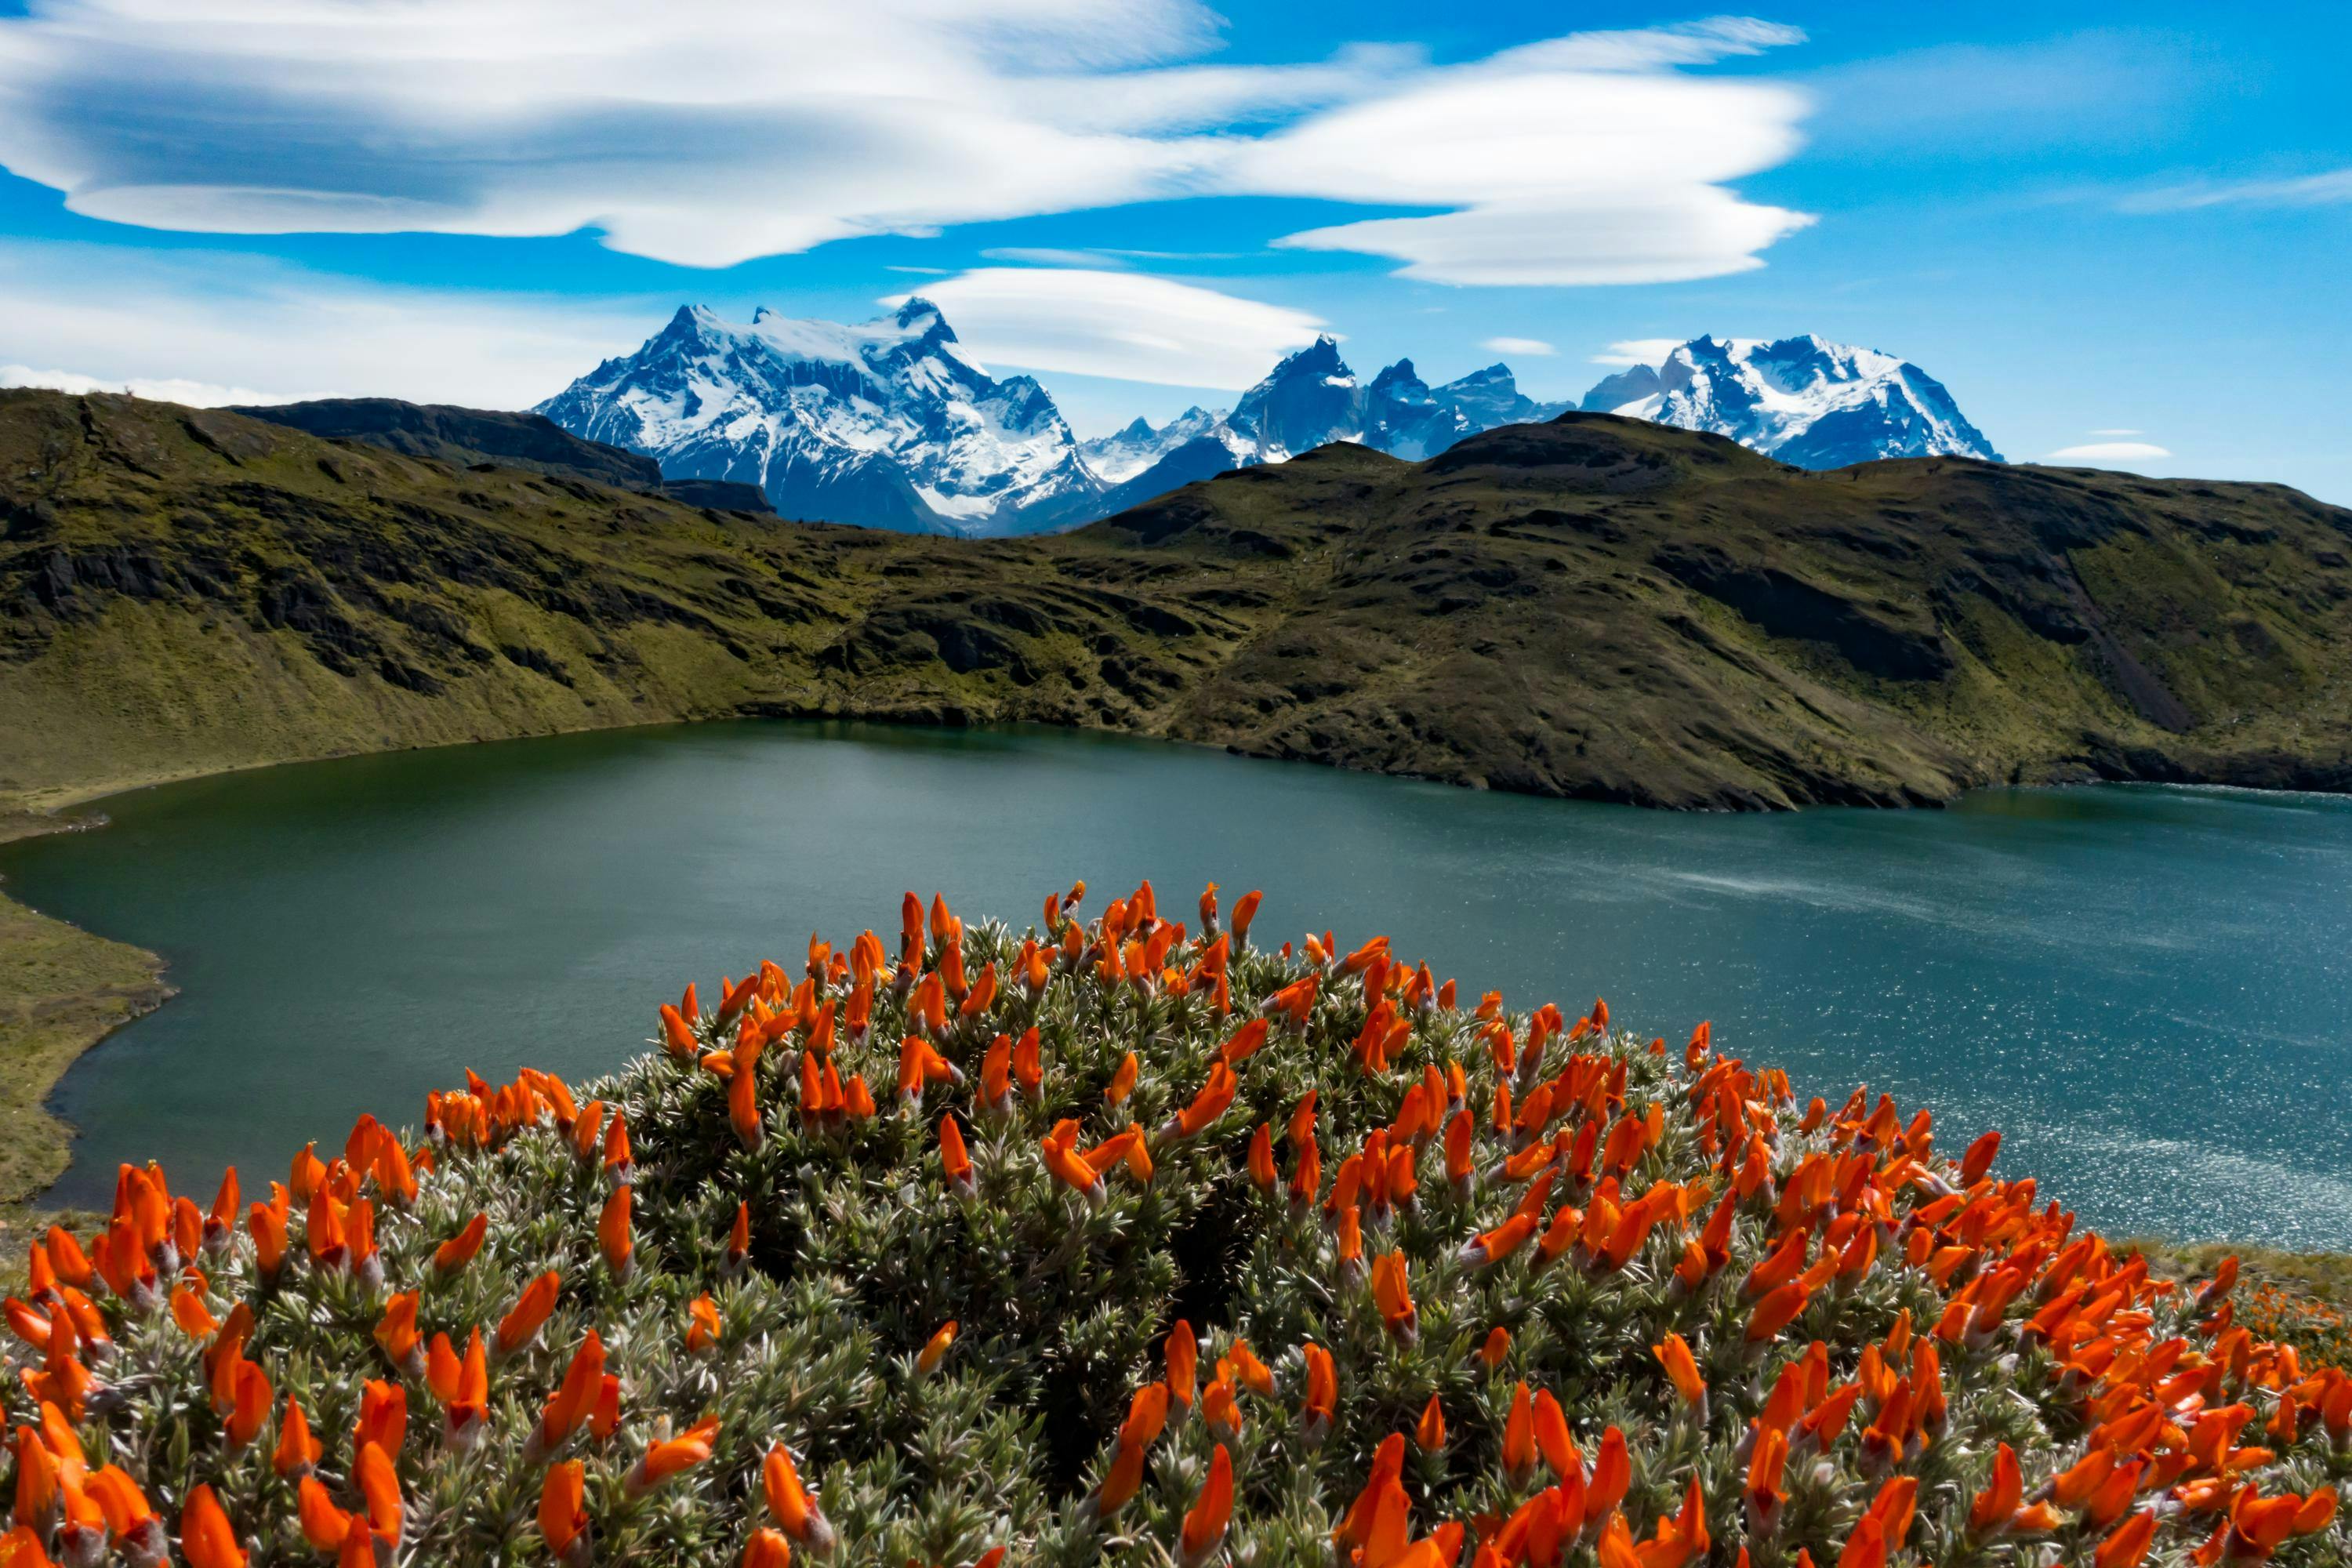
[[1584, 160], [224, 327], [192, 394], [706, 132], [1631, 352], [1124, 324], [1053, 255], [2118, 432], [2098, 452], [1536, 347], [2331, 188]]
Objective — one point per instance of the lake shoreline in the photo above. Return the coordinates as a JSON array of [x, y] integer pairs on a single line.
[[63, 993], [2260, 775]]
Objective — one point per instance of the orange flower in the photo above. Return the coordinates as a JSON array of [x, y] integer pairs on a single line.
[[1391, 1295], [1070, 1170], [1183, 1355], [1220, 1409], [1245, 911], [935, 1350], [2127, 1546], [1552, 1439], [1991, 1512], [206, 1538], [1612, 1472], [1206, 1106], [739, 1237], [37, 1481], [249, 1405], [383, 1417], [1520, 1435], [767, 1549], [743, 1105], [702, 1326], [1492, 1246], [673, 1455], [1122, 1082], [1674, 1354], [298, 1451], [1322, 1395], [1246, 1043], [463, 1386], [379, 1484], [677, 1038], [189, 1311], [1262, 1173], [563, 1521], [1212, 1511], [794, 1507], [1429, 1432], [1777, 1310], [395, 1332], [460, 1249], [574, 1399], [522, 1322], [955, 1161], [1253, 1374], [129, 1517], [613, 1233]]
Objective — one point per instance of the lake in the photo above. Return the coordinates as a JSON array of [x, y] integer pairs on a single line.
[[2146, 989]]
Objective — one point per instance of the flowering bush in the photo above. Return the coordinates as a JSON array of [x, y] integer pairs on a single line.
[[1125, 1240]]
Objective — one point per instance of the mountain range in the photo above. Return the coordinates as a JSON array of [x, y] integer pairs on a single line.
[[1590, 607], [887, 424]]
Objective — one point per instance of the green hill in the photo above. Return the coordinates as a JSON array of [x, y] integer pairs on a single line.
[[1594, 608]]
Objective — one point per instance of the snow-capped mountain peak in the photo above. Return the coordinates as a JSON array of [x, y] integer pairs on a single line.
[[883, 422], [1804, 400], [1309, 399], [888, 422], [1131, 450]]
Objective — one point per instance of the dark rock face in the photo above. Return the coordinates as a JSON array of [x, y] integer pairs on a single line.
[[719, 495], [465, 437]]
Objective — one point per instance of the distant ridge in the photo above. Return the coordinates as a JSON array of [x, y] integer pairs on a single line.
[[468, 437]]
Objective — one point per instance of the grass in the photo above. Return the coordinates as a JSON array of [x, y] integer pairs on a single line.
[[62, 990], [2300, 1299]]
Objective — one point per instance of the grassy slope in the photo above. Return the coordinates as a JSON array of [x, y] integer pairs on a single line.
[[61, 992], [1595, 607]]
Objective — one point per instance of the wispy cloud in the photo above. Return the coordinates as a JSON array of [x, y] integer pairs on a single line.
[[221, 328], [2329, 188], [1128, 325], [1534, 347], [1631, 352], [1051, 255], [706, 133], [2098, 452], [193, 393], [2118, 432]]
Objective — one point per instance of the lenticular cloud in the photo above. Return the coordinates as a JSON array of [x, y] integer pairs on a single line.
[[706, 135]]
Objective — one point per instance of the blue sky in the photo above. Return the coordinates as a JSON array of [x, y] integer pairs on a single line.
[[2125, 227]]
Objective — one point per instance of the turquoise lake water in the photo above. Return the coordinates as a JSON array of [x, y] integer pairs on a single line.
[[2147, 989]]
